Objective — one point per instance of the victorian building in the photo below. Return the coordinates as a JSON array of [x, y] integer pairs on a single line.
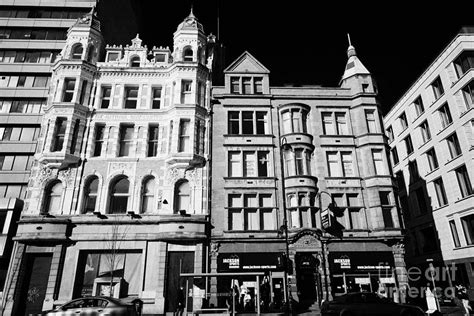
[[301, 161], [118, 194], [431, 137]]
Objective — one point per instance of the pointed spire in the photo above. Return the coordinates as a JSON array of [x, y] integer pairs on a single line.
[[191, 14], [351, 49]]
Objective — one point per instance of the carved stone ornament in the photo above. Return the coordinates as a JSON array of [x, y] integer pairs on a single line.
[[214, 249], [172, 175], [66, 176], [43, 174], [398, 248]]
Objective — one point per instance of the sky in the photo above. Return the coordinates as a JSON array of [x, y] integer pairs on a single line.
[[305, 42]]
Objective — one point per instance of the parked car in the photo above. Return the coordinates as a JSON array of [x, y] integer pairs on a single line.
[[367, 304], [97, 306]]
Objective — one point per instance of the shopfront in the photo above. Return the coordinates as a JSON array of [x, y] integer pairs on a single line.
[[362, 271], [241, 290]]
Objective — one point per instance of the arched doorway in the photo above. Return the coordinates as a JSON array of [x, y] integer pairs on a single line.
[[307, 276]]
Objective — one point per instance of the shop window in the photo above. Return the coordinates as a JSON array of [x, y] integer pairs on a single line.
[[126, 140], [76, 51], [148, 195], [90, 194], [59, 134], [53, 198], [182, 196], [119, 195]]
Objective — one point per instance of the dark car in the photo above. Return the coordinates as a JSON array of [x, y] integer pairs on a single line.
[[367, 304], [97, 305]]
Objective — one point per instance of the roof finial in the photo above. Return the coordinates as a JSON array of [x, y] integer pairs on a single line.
[[191, 14], [350, 50], [349, 39]]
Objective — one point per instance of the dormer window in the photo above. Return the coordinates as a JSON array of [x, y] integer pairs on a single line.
[[76, 52], [246, 85], [135, 62], [188, 54]]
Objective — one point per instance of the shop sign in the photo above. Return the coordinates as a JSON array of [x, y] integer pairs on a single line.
[[247, 262], [362, 280], [363, 262]]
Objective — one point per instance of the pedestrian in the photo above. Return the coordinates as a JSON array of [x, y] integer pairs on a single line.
[[179, 302], [461, 293]]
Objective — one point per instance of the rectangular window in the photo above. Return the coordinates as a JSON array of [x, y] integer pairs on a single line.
[[248, 164], [106, 91], [333, 164], [113, 56], [425, 131], [387, 217], [235, 85], [418, 104], [184, 136], [464, 181], [454, 233], [59, 134], [235, 164], [403, 121], [262, 163], [379, 165], [262, 123], [370, 119], [131, 97], [438, 89], [347, 166], [468, 94], [432, 159], [41, 82], [83, 92], [394, 153], [153, 135], [464, 62], [251, 212], [445, 115], [390, 134], [247, 122], [246, 85], [186, 86], [341, 123], [156, 102], [453, 145], [126, 140], [257, 85], [328, 124], [233, 123], [468, 227], [408, 145], [69, 85], [99, 140], [75, 134], [440, 192]]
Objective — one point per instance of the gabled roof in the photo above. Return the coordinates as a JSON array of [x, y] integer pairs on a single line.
[[354, 66], [246, 63]]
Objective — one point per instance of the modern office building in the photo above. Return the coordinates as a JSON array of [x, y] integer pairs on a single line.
[[118, 195], [299, 149], [431, 136]]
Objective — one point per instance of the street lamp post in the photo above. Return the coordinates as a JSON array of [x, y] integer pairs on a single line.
[[323, 242]]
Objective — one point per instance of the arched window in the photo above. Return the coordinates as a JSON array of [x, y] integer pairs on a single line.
[[148, 195], [119, 193], [53, 194], [135, 62], [188, 54], [76, 52], [90, 194], [181, 196]]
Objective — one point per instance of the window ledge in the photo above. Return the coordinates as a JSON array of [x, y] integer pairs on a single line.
[[452, 159], [402, 131], [444, 128], [426, 142], [343, 178], [419, 115], [465, 198], [466, 112], [336, 136], [249, 178], [432, 171], [248, 135], [464, 247], [440, 207]]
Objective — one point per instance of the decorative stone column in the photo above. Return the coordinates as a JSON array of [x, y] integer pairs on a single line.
[[400, 274]]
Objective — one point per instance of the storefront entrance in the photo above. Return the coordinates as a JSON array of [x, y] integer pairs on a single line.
[[307, 277], [178, 262]]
